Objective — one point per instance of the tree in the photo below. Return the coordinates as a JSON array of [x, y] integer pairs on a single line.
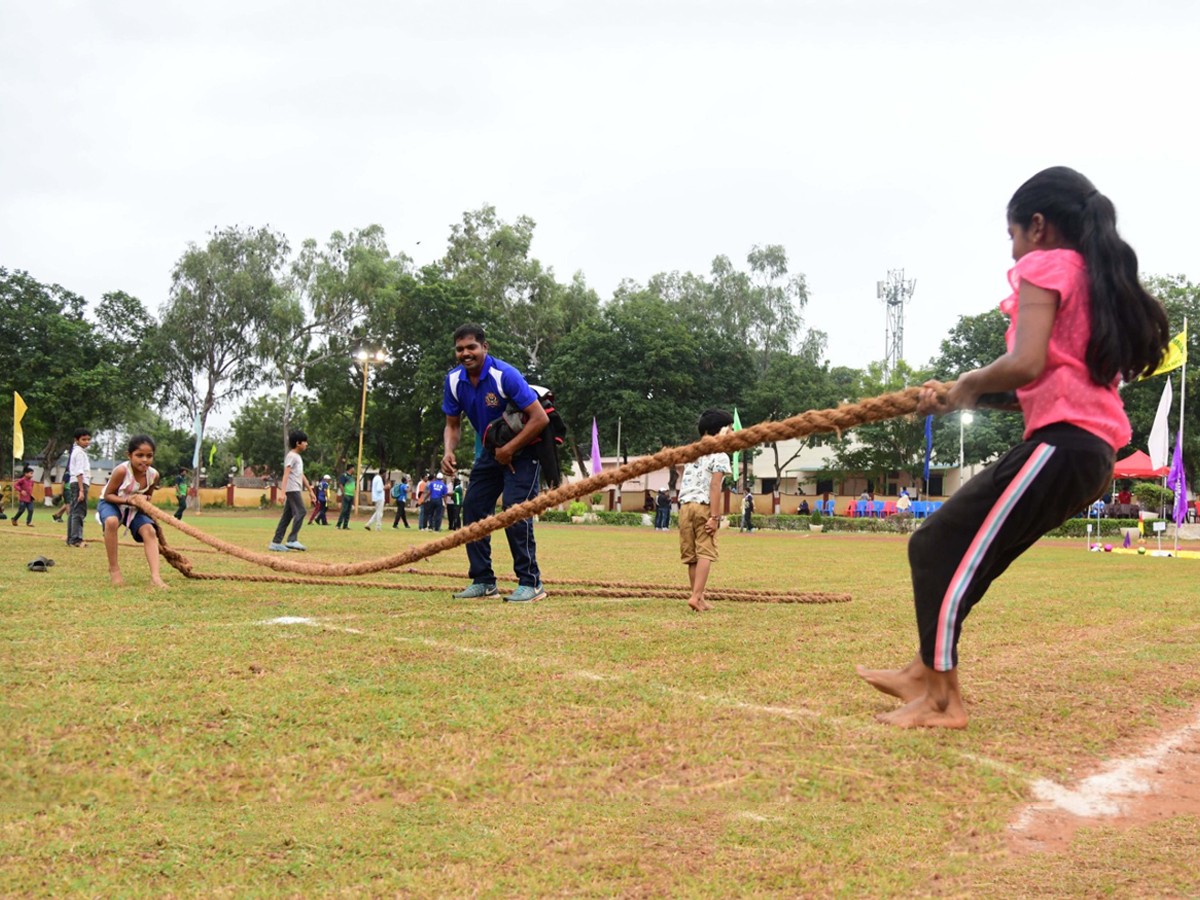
[[791, 385], [405, 419], [222, 297], [327, 294], [256, 431], [761, 308], [489, 258], [895, 445], [71, 372], [643, 362], [974, 342]]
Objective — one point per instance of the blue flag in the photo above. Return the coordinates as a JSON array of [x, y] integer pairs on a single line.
[[928, 447]]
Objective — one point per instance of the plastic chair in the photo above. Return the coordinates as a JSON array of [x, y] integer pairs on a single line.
[[889, 508], [877, 509], [919, 509], [861, 508]]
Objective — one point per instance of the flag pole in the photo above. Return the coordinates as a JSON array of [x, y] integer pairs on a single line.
[[1182, 397], [621, 486]]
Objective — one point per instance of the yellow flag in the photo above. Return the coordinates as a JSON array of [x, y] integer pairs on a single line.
[[1175, 355], [19, 408]]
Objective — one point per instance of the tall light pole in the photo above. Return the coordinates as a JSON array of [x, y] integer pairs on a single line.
[[364, 357], [965, 417]]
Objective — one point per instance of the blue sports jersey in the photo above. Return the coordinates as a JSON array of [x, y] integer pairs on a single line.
[[483, 403]]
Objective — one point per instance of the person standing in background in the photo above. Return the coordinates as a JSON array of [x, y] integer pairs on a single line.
[[79, 470]]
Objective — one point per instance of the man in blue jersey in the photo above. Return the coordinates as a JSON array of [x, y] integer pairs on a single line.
[[482, 386]]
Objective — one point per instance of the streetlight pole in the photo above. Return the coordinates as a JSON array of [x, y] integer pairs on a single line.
[[365, 358], [965, 417]]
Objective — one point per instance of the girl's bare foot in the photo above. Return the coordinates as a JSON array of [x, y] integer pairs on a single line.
[[159, 583], [902, 683], [116, 579], [925, 712], [699, 604]]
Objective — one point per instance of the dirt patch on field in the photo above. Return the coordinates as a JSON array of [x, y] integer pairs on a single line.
[[1159, 781]]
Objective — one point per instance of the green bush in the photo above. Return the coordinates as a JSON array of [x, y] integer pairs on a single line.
[[619, 518], [1153, 497], [578, 508], [1077, 528], [555, 515]]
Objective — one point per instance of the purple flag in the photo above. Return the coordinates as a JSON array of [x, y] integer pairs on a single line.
[[1177, 480], [596, 464]]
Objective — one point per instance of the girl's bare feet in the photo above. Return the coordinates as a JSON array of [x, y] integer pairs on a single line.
[[116, 579], [894, 682], [159, 583], [925, 712], [699, 604]]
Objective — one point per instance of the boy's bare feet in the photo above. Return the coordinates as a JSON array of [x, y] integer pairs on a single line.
[[116, 579], [699, 604], [925, 712], [902, 683]]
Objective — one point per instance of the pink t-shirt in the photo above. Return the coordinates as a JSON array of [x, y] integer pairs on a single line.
[[1065, 392]]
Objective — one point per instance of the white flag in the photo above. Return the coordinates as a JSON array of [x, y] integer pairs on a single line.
[[1160, 434]]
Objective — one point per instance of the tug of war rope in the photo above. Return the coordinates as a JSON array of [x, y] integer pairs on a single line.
[[839, 419]]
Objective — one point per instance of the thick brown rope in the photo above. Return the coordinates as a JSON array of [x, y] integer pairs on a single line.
[[581, 589], [846, 416]]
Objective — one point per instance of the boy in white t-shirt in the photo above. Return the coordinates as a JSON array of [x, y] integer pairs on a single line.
[[294, 486], [699, 500], [79, 469]]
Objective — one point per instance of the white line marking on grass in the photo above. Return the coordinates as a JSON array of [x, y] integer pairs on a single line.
[[1103, 794], [582, 674], [310, 623]]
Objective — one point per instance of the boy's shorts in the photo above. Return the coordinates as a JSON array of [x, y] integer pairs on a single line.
[[106, 510], [694, 541]]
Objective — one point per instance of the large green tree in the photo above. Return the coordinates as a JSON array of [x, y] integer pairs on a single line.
[[71, 370], [327, 295], [895, 445], [527, 307], [646, 363], [761, 306], [256, 432], [791, 384], [973, 342], [222, 297]]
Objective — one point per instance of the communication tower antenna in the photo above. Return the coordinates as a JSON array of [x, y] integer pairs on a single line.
[[895, 292]]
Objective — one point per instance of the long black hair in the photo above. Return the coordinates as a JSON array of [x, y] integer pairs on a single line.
[[1129, 327]]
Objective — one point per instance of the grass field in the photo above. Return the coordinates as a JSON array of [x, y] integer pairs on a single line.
[[404, 742]]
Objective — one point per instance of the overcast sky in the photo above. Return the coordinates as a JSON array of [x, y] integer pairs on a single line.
[[640, 136]]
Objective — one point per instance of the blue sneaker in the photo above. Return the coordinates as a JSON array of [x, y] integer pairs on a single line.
[[526, 593], [478, 589], [278, 548], [295, 545]]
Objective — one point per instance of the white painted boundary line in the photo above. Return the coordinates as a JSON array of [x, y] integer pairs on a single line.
[[1107, 792], [582, 674]]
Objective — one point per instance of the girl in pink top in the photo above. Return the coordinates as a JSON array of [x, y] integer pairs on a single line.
[[1080, 322]]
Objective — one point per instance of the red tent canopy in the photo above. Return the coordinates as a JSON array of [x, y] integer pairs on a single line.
[[1138, 465]]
